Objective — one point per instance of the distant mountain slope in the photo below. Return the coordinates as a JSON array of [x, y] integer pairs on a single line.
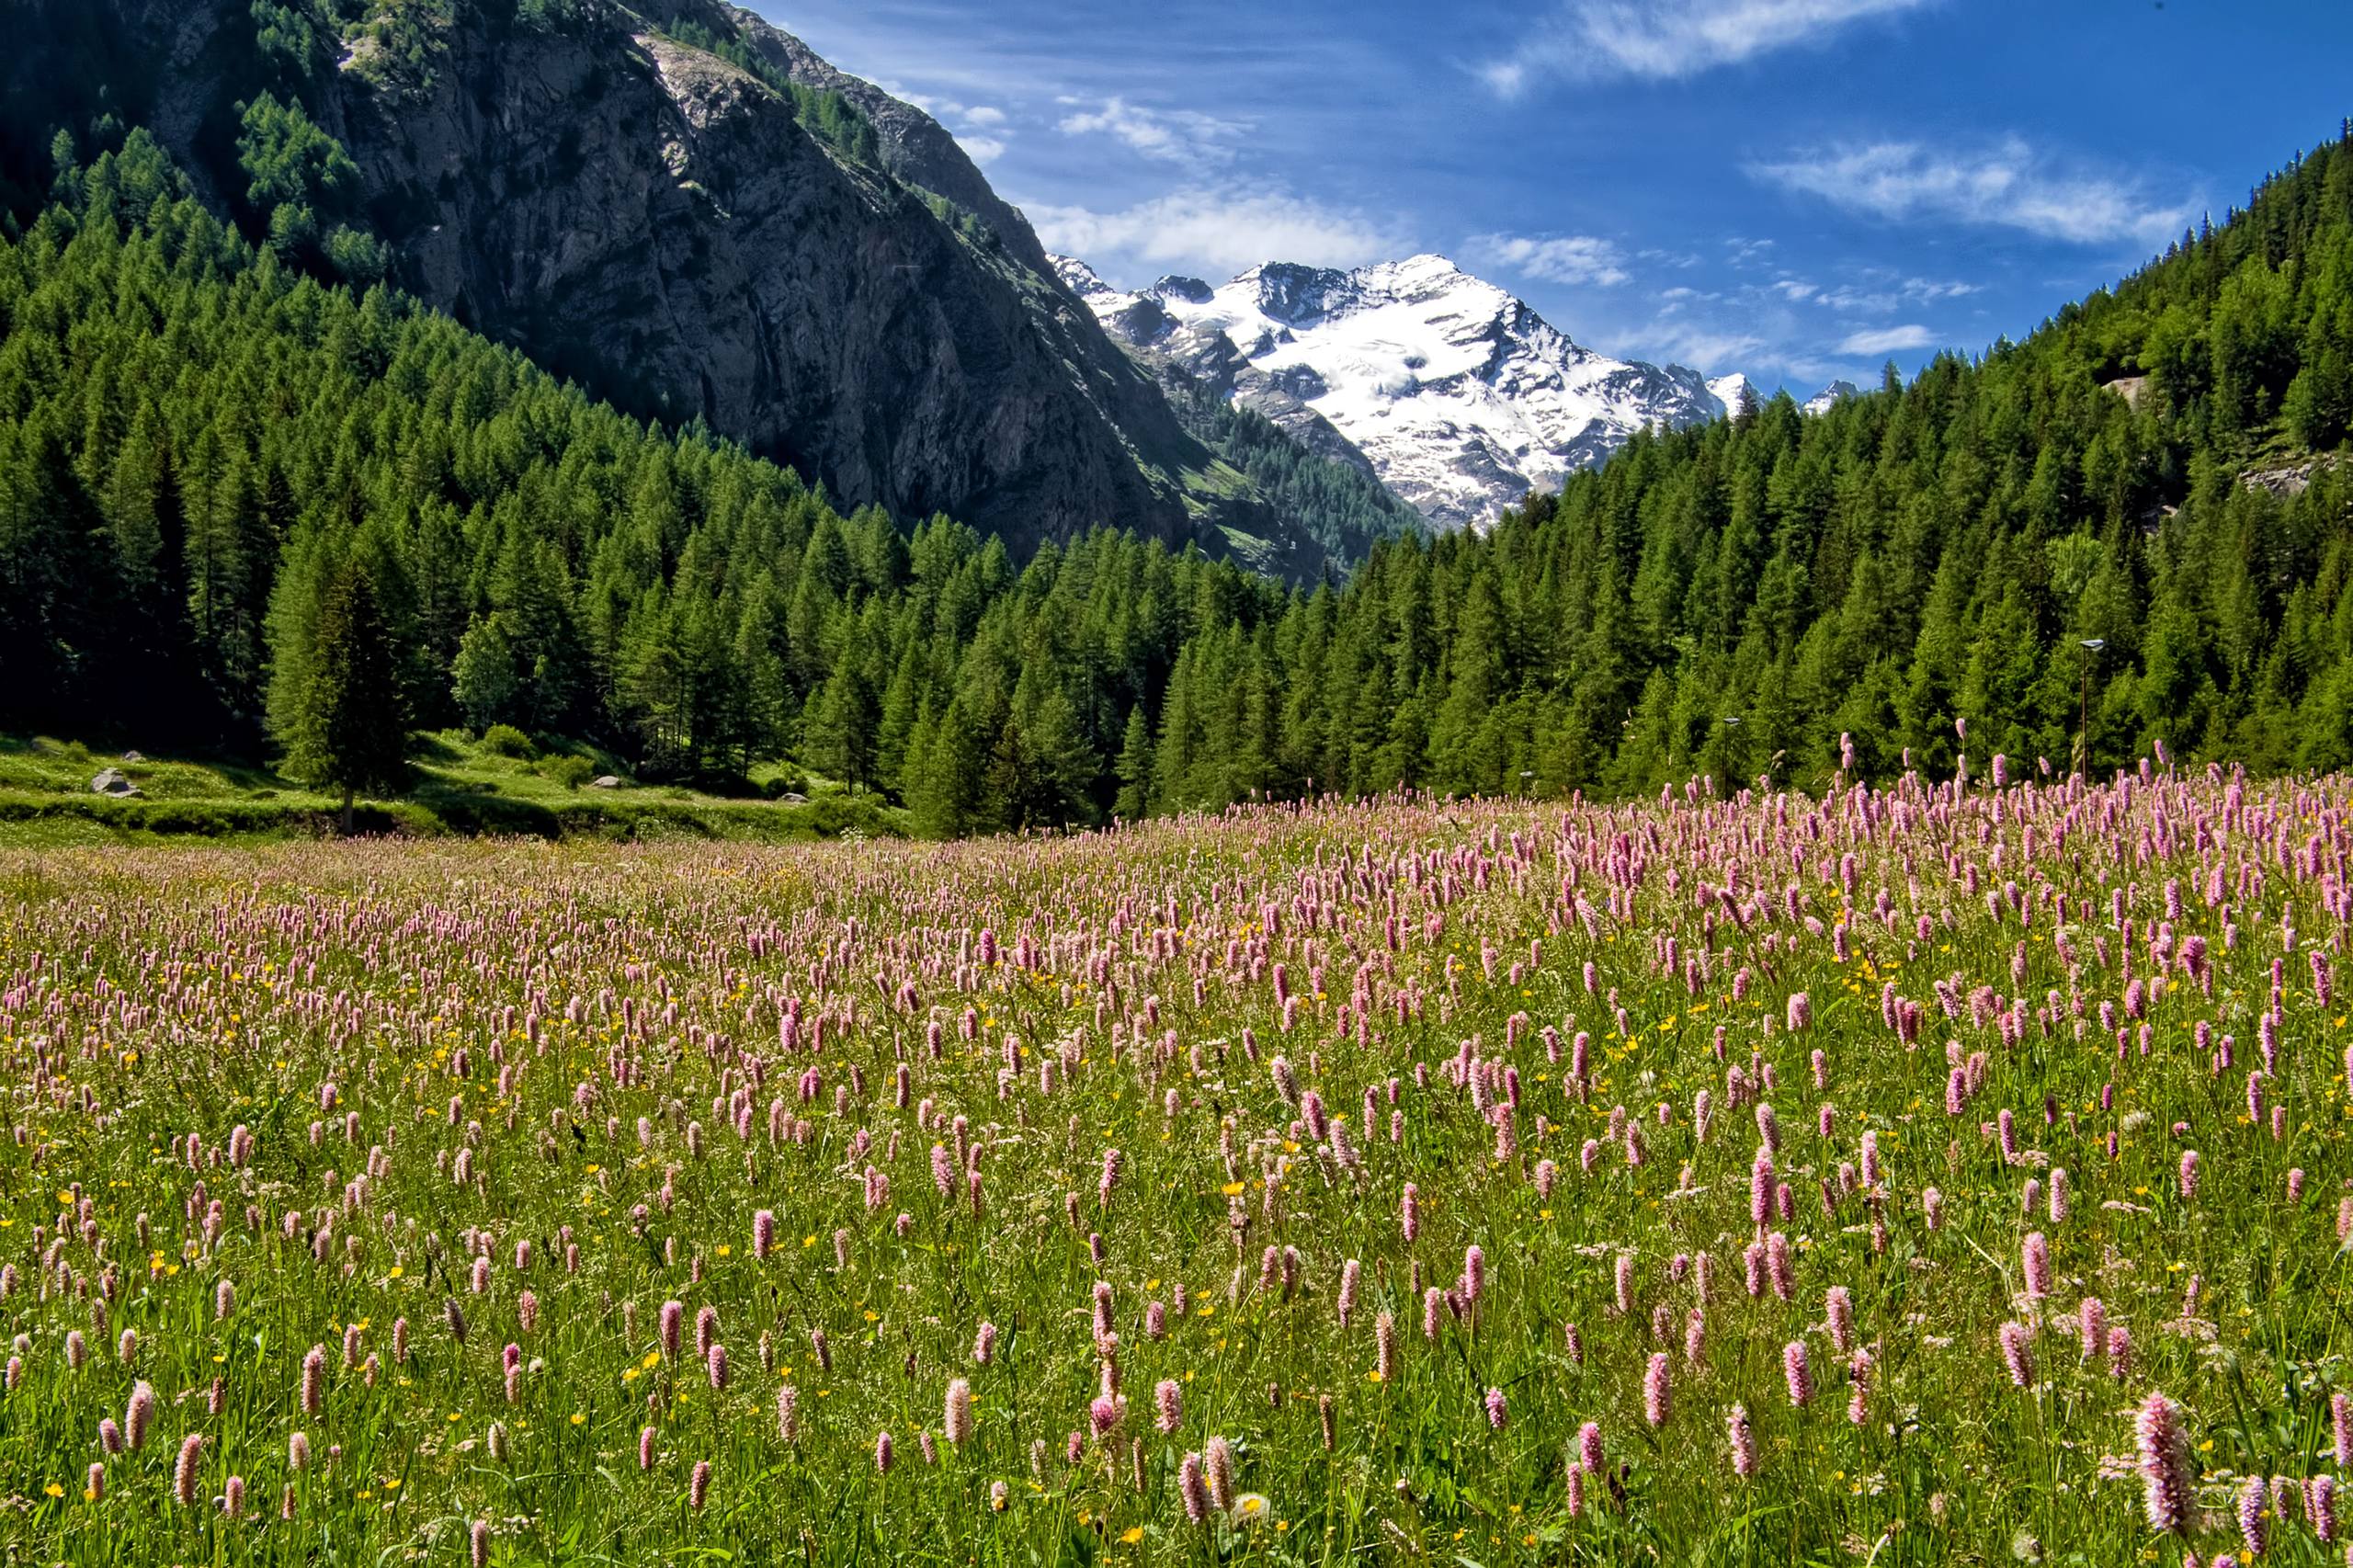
[[1462, 398], [681, 207], [1727, 389], [1830, 397]]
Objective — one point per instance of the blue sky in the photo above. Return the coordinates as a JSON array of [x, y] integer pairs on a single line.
[[1795, 189]]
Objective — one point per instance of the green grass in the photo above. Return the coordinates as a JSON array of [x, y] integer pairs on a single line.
[[461, 786], [447, 1052]]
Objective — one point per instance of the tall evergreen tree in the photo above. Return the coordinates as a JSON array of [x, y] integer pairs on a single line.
[[1134, 798], [339, 711], [840, 731]]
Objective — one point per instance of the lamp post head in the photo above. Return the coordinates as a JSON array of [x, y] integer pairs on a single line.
[[2092, 644]]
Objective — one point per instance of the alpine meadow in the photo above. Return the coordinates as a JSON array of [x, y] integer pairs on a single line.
[[714, 849]]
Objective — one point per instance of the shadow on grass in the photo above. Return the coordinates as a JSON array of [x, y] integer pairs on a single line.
[[434, 813], [242, 799]]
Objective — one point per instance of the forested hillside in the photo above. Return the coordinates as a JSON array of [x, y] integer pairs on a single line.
[[197, 442], [687, 213], [2153, 470]]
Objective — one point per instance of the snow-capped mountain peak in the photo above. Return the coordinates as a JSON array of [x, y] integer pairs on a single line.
[[1079, 278], [1829, 396], [1728, 390], [1460, 395]]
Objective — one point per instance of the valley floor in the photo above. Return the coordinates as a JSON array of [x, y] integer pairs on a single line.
[[1917, 1175], [461, 786]]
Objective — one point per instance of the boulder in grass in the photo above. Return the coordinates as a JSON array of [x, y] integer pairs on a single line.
[[134, 757], [115, 782], [604, 781]]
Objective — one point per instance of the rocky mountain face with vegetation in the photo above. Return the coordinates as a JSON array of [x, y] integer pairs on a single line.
[[686, 211]]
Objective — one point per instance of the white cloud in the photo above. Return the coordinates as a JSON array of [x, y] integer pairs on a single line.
[[1571, 258], [1887, 340], [1176, 136], [1688, 343], [1761, 328], [984, 115], [1669, 40], [1891, 292], [982, 149], [1219, 232], [2008, 185]]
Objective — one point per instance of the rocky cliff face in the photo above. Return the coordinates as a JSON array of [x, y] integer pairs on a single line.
[[652, 219], [655, 222], [914, 147]]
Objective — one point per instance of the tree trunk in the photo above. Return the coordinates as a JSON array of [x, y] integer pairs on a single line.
[[347, 811]]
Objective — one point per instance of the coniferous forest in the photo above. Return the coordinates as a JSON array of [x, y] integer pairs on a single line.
[[210, 456]]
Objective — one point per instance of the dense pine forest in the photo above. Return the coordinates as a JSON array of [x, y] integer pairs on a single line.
[[209, 456]]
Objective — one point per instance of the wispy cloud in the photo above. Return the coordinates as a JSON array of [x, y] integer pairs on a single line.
[[1710, 350], [1176, 136], [1669, 40], [1220, 231], [2008, 185], [1788, 329], [1887, 340], [1569, 258], [1886, 293]]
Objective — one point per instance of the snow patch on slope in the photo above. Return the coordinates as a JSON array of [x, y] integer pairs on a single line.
[[1726, 390], [1830, 396], [1462, 397]]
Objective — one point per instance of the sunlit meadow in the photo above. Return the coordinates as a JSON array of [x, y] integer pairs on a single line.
[[1943, 1171]]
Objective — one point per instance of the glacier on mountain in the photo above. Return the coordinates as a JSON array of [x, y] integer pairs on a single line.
[[1458, 396]]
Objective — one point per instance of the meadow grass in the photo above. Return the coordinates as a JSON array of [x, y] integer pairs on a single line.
[[1488, 1183], [460, 784]]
